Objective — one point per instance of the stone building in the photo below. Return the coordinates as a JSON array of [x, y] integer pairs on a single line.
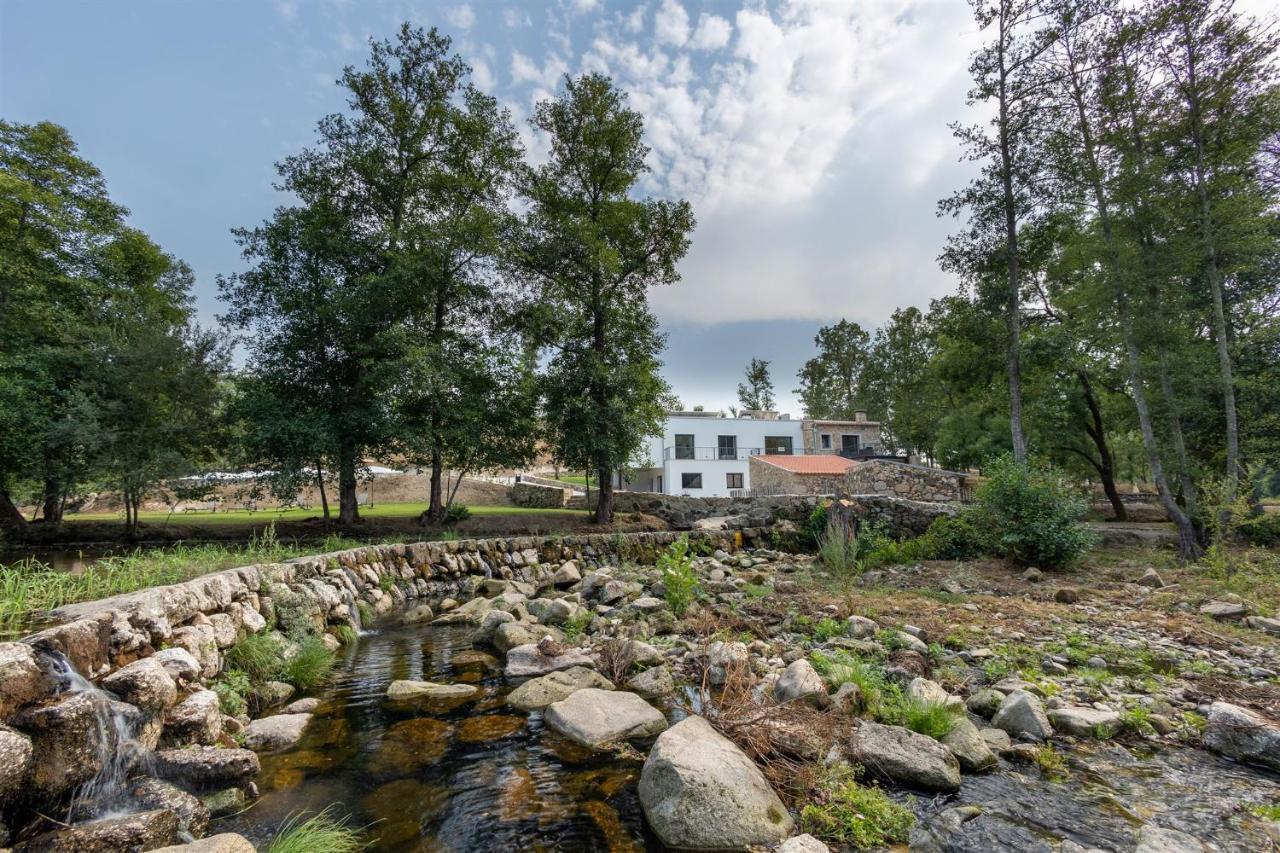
[[799, 475], [845, 438]]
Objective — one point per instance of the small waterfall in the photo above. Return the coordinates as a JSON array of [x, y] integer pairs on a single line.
[[117, 750]]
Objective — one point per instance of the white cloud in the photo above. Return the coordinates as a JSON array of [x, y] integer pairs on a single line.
[[584, 6], [514, 18], [461, 16], [712, 33], [482, 75], [287, 9], [544, 77], [671, 23]]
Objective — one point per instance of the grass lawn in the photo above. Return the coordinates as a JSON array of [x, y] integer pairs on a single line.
[[575, 479], [241, 516]]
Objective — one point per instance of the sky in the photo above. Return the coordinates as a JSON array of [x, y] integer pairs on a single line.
[[810, 136]]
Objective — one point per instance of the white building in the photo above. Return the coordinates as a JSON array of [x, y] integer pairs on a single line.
[[705, 454]]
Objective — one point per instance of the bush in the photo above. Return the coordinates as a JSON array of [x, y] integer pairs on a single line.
[[952, 538], [233, 688], [310, 666], [844, 812], [1262, 530], [454, 513], [322, 833], [260, 657], [1030, 516], [678, 578]]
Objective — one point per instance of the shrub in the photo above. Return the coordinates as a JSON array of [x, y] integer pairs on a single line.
[[953, 538], [828, 628], [1262, 530], [839, 553], [233, 688], [933, 719], [844, 812], [842, 668], [321, 833], [1031, 516], [259, 656], [678, 578], [310, 666], [454, 513], [816, 528]]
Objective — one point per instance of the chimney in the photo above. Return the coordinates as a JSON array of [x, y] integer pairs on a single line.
[[860, 415]]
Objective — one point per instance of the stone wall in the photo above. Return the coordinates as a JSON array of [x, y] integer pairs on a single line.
[[904, 518], [534, 495], [767, 479], [681, 511], [913, 482]]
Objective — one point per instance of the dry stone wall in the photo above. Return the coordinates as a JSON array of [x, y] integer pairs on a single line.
[[900, 479], [536, 495]]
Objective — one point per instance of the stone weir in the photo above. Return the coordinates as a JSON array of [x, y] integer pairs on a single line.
[[110, 703]]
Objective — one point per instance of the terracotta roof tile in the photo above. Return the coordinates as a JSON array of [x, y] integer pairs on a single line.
[[816, 464]]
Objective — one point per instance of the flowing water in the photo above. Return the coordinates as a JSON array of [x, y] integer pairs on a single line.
[[471, 777], [481, 777]]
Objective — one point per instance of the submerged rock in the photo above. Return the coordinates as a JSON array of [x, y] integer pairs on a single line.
[[905, 757], [969, 747], [537, 693], [594, 717], [1243, 735], [409, 691], [700, 792]]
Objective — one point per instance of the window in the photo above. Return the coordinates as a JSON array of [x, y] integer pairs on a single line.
[[777, 445], [727, 447], [733, 481], [691, 481], [826, 441], [849, 443], [684, 446]]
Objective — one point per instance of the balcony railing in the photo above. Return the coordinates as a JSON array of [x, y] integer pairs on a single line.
[[711, 454]]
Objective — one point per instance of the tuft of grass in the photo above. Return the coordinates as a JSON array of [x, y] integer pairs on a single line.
[[260, 657], [1051, 763], [311, 666], [1266, 811], [827, 628], [757, 590], [346, 635], [922, 716], [1138, 720], [576, 624], [365, 609], [320, 833], [844, 812], [842, 668]]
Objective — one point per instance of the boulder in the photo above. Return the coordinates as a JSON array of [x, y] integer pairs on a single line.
[[470, 613], [985, 703], [206, 766], [227, 842], [802, 844], [966, 743], [926, 690], [861, 628], [151, 794], [273, 693], [653, 683], [414, 615], [595, 717], [1151, 579], [15, 761], [22, 679], [1243, 735], [179, 663], [64, 739], [1160, 839], [1022, 716], [512, 635], [275, 733], [800, 681], [196, 719], [144, 683], [528, 661], [723, 657], [224, 802], [410, 691], [904, 757], [1084, 722], [700, 792], [538, 693], [567, 575], [137, 831], [489, 625], [1224, 611]]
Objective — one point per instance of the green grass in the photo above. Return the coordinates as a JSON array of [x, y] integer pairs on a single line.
[[861, 816], [346, 635], [320, 833], [1267, 811], [922, 716], [258, 656], [311, 666], [576, 624], [843, 668], [241, 516]]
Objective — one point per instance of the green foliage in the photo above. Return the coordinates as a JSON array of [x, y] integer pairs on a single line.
[[841, 667], [755, 591], [576, 624], [346, 635], [678, 578], [1262, 530], [365, 609], [259, 656], [842, 811], [829, 381], [933, 719], [310, 666], [456, 513], [952, 538], [757, 392], [233, 688], [1051, 763], [815, 526], [320, 833], [1267, 811], [826, 628], [1031, 516], [1137, 719]]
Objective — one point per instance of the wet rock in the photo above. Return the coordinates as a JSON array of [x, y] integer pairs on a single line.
[[1159, 839], [513, 635], [938, 834], [1243, 735], [224, 802], [997, 739], [22, 679], [302, 706], [64, 739], [275, 733], [139, 831], [151, 794], [206, 767], [196, 719], [1151, 579], [966, 743], [489, 727], [470, 613], [475, 659], [800, 681], [409, 691], [985, 703], [653, 683], [144, 683], [411, 745], [594, 717], [529, 661], [1022, 716], [489, 625], [905, 757], [227, 842], [700, 792], [15, 761], [538, 693], [1085, 722], [414, 615]]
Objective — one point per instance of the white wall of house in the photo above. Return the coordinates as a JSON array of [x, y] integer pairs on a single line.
[[714, 465]]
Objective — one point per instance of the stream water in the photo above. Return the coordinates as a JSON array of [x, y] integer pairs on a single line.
[[481, 777]]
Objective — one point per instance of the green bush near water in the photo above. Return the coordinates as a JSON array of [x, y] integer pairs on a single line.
[[844, 812]]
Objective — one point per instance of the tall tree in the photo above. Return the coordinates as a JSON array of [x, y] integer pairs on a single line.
[[829, 382], [594, 249], [1003, 196], [897, 386], [757, 391]]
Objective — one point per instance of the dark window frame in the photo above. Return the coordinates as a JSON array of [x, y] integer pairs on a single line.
[[729, 450], [826, 441], [845, 442], [691, 480], [773, 445], [729, 478], [681, 448]]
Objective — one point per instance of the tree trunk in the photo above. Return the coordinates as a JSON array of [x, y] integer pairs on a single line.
[[52, 501], [1185, 481], [10, 516], [1013, 309], [348, 509], [1106, 459], [604, 492], [604, 486], [436, 505], [324, 498]]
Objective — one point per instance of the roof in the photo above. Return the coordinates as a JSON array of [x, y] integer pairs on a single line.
[[815, 464]]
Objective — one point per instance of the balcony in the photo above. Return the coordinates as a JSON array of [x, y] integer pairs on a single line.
[[711, 454]]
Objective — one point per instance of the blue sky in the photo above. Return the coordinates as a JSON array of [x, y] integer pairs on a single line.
[[810, 135]]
